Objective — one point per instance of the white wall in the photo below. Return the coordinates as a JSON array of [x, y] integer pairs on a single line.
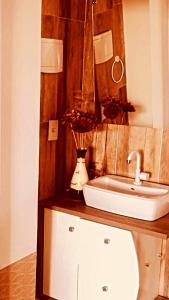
[[21, 20], [146, 47], [159, 59], [0, 92], [138, 60]]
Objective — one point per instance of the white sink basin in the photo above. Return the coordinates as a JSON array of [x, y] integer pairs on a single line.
[[119, 195]]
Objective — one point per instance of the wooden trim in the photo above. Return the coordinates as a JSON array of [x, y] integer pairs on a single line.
[[40, 243], [164, 276], [162, 271]]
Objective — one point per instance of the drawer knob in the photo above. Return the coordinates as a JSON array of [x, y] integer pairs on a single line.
[[107, 241], [105, 288], [71, 228]]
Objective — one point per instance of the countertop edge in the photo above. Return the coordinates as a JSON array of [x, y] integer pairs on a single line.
[[64, 203]]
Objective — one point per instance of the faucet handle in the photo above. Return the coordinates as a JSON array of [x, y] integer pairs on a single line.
[[144, 176]]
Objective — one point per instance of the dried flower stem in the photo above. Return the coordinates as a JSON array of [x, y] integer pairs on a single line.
[[75, 139]]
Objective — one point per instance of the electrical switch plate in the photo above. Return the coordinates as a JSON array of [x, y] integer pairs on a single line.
[[53, 130]]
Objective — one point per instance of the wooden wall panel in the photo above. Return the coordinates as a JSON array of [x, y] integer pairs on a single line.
[[111, 149], [116, 2], [67, 90], [105, 5], [74, 87], [64, 20], [52, 107], [152, 153], [47, 165], [110, 19], [98, 148], [73, 65], [88, 62], [50, 92], [129, 138], [164, 162], [53, 27], [120, 140], [65, 9]]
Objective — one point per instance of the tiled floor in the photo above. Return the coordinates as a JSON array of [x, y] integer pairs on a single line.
[[18, 279]]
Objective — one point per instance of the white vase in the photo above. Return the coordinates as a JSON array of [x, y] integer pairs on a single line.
[[80, 175]]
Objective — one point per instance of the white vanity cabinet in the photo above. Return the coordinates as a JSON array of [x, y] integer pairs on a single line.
[[85, 255], [60, 255], [85, 260]]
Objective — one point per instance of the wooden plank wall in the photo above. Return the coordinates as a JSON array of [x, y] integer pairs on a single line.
[[71, 21], [83, 98], [61, 19], [112, 144], [108, 15]]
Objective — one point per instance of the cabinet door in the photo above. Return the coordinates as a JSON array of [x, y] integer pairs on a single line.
[[108, 266], [149, 252], [60, 255]]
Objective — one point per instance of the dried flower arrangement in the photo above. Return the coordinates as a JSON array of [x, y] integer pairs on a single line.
[[113, 108], [81, 123]]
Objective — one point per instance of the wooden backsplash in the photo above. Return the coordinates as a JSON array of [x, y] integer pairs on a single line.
[[113, 143]]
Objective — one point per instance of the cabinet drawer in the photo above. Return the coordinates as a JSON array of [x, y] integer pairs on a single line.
[[111, 255], [93, 287], [67, 230], [61, 233], [103, 240], [98, 285]]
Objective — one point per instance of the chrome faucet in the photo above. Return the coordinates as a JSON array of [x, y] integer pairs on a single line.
[[137, 180]]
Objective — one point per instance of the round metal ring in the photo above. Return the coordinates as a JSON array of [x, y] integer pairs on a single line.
[[117, 60]]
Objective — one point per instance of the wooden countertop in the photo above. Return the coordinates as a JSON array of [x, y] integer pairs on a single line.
[[63, 203]]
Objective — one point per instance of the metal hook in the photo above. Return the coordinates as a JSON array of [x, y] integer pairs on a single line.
[[94, 1]]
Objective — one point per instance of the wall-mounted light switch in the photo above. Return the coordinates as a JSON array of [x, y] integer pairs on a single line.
[[53, 130]]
